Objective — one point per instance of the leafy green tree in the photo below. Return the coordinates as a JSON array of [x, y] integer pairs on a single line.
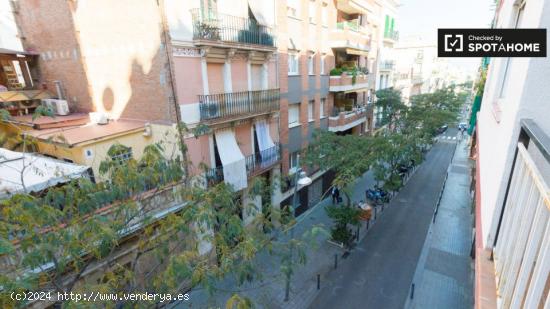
[[390, 106], [70, 239]]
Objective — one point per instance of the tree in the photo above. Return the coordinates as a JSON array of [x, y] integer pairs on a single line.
[[390, 106], [95, 237]]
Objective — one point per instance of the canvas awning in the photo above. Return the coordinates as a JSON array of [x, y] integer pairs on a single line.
[[233, 161], [265, 142], [38, 172], [24, 95], [358, 52], [263, 11]]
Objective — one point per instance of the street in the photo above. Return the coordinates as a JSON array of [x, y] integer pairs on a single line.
[[379, 271]]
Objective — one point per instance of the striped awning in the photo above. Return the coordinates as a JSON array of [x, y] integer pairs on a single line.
[[24, 95]]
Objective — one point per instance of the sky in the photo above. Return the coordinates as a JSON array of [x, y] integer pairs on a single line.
[[422, 18]]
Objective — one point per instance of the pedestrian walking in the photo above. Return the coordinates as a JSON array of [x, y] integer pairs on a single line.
[[335, 195]]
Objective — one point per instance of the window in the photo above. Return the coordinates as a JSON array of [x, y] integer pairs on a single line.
[[120, 153], [293, 162], [293, 8], [293, 64], [310, 65], [324, 14], [322, 108], [312, 11], [323, 64], [504, 84], [310, 110], [293, 115]]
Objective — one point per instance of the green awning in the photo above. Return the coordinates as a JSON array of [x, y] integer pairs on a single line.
[[473, 116]]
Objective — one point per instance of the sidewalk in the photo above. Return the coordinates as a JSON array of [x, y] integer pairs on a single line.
[[444, 274], [269, 292]]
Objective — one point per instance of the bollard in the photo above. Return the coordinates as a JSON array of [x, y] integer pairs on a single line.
[[335, 261], [412, 291], [368, 224], [357, 234], [318, 281]]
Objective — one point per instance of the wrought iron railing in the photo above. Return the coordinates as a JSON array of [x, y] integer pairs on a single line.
[[254, 163], [393, 35], [221, 27], [263, 159], [387, 65], [229, 105]]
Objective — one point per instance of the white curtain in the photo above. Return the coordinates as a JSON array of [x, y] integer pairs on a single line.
[[265, 142], [234, 165]]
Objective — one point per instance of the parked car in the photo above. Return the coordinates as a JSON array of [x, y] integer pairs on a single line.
[[442, 129]]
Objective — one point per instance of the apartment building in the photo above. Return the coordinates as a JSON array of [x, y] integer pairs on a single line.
[[512, 175], [323, 50], [226, 77], [108, 74], [386, 41], [416, 60]]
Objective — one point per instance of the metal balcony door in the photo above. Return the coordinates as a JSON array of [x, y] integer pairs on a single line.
[[314, 192]]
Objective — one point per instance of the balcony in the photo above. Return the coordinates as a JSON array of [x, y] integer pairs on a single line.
[[256, 164], [345, 82], [342, 120], [354, 6], [391, 36], [237, 105], [351, 37], [387, 65], [417, 79], [231, 31]]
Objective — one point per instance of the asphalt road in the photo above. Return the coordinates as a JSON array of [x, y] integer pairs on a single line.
[[379, 271]]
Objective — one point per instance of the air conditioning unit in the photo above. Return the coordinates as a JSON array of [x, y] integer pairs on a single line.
[[49, 104], [62, 107]]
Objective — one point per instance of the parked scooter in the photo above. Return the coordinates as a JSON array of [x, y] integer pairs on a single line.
[[377, 195]]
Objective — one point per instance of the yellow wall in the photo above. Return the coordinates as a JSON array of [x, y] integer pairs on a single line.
[[164, 134]]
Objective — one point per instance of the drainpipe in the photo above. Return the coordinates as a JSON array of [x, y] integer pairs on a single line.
[[168, 48]]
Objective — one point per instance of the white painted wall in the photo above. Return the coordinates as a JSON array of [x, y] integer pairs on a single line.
[[8, 29], [527, 96]]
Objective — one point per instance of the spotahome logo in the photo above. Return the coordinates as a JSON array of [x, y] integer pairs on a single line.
[[491, 43]]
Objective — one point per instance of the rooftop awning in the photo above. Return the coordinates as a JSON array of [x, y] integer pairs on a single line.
[[24, 95], [353, 51], [262, 11], [357, 90], [234, 165], [38, 172]]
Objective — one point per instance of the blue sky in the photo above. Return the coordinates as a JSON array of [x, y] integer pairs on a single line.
[[423, 18]]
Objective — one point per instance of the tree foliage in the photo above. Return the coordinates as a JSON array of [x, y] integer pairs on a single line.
[[70, 239]]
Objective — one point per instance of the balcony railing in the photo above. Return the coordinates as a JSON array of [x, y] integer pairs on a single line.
[[227, 28], [232, 105], [348, 24], [521, 251], [255, 164], [262, 160], [392, 35], [387, 65]]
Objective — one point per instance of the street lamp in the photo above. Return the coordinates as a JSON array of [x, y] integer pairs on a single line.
[[302, 180]]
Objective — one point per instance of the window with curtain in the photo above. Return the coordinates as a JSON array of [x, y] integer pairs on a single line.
[[322, 107], [310, 110], [293, 64], [323, 64], [293, 115], [293, 162]]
